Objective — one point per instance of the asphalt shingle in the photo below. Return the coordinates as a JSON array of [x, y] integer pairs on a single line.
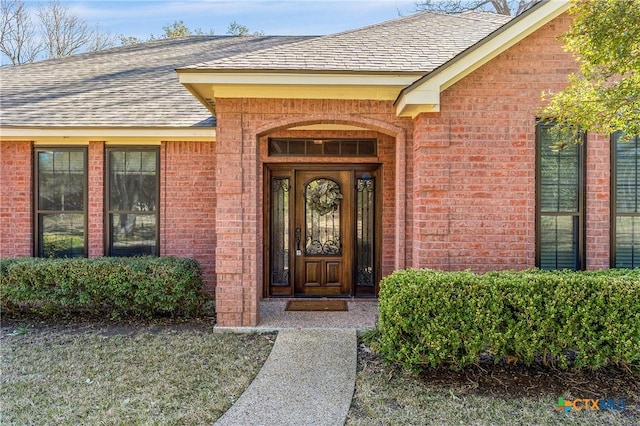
[[137, 86], [416, 43], [122, 87]]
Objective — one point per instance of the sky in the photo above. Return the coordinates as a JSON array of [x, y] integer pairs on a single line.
[[273, 17]]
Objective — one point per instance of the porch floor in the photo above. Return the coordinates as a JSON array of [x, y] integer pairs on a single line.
[[362, 315]]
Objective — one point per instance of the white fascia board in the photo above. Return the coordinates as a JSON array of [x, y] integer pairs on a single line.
[[460, 68], [297, 79], [421, 96], [194, 134]]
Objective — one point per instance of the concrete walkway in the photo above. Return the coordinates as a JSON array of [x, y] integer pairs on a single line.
[[308, 379]]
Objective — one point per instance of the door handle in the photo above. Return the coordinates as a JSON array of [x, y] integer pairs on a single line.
[[298, 238]]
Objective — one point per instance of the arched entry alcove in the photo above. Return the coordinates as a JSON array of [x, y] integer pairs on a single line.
[[243, 164], [360, 163]]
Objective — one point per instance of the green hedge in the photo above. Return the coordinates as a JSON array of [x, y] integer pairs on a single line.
[[115, 286], [580, 319]]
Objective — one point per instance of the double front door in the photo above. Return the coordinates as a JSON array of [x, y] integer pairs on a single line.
[[321, 230]]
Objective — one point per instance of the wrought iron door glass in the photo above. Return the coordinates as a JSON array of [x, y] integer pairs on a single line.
[[280, 231], [323, 198], [365, 242]]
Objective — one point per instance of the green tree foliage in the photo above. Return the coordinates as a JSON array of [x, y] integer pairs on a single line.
[[604, 96], [177, 29], [237, 29]]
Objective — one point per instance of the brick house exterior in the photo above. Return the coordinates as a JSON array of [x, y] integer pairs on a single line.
[[457, 180]]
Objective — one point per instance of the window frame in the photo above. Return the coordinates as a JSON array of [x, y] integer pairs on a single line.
[[37, 212], [107, 197], [580, 214], [614, 197], [304, 143]]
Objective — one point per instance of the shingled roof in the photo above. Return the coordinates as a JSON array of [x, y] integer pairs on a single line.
[[416, 43], [120, 87], [137, 86]]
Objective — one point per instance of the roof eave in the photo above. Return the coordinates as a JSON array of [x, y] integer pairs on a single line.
[[258, 83], [424, 94], [111, 135]]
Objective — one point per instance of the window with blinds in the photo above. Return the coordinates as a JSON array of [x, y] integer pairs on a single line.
[[559, 202], [625, 203]]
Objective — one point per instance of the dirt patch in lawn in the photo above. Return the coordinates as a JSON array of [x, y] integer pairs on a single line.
[[79, 324], [520, 388], [506, 381], [485, 394], [517, 380]]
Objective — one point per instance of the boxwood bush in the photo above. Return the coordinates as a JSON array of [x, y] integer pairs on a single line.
[[565, 319], [114, 286]]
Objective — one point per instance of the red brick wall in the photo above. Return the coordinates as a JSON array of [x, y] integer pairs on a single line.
[[475, 164], [188, 204], [15, 199], [459, 185], [239, 155]]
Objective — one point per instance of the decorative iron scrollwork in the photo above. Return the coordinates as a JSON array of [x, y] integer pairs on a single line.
[[322, 211], [280, 188], [323, 196], [365, 231], [328, 247]]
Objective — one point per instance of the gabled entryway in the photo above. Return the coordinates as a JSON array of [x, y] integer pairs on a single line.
[[322, 230]]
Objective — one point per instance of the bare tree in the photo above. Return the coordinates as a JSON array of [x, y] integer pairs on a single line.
[[503, 7], [101, 39], [64, 33], [61, 32], [18, 39]]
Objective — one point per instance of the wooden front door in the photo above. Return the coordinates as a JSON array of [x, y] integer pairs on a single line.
[[321, 230], [323, 224]]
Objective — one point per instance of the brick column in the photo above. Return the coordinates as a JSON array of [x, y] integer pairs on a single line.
[[251, 224], [95, 208], [233, 208], [16, 224], [598, 191]]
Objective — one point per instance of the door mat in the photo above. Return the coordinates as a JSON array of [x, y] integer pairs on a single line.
[[316, 305]]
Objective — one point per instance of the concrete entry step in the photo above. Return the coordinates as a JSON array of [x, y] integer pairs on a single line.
[[361, 315], [308, 379]]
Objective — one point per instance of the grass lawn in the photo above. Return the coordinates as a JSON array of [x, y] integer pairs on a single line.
[[180, 373], [90, 374], [386, 395]]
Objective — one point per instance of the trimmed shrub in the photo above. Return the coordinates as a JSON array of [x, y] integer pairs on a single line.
[[117, 286], [560, 318]]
